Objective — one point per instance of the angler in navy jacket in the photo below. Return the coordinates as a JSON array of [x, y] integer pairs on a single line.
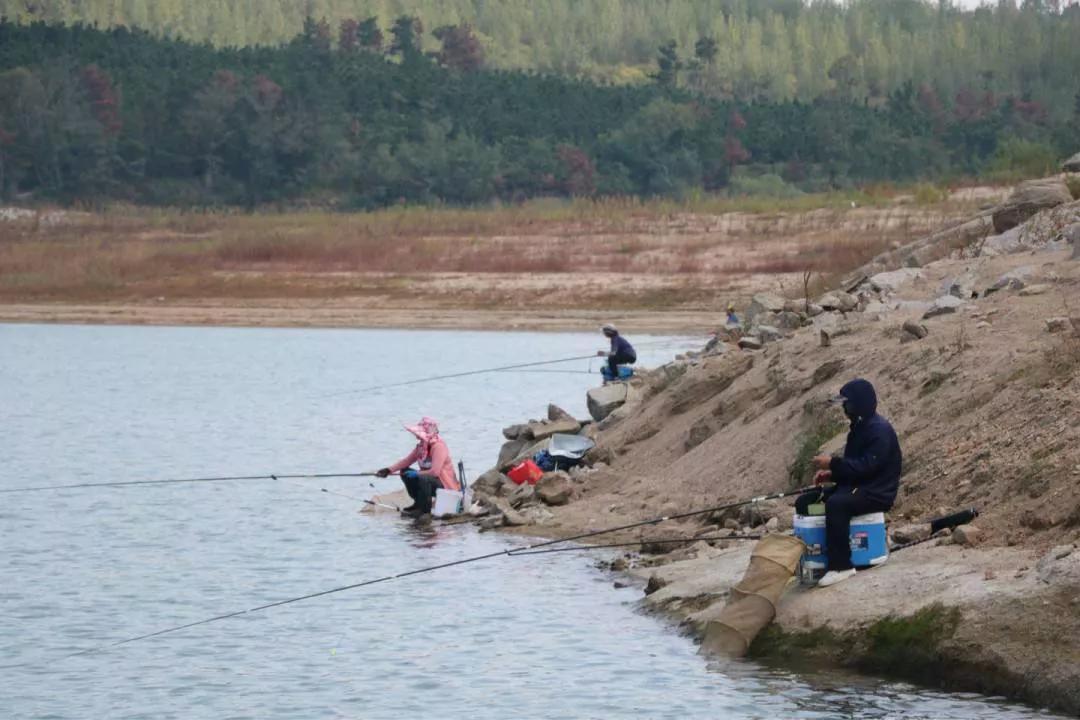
[[867, 475], [621, 353]]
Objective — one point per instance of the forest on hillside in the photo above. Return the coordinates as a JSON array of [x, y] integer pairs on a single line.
[[362, 115], [774, 50]]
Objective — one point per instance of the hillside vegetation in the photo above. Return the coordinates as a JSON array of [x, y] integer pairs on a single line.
[[765, 49], [366, 120]]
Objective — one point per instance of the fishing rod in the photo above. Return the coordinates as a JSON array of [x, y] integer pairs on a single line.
[[669, 541], [432, 568], [457, 375], [233, 478]]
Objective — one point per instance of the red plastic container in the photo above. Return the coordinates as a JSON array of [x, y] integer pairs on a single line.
[[525, 472]]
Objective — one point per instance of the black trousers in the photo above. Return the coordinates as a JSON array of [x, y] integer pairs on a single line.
[[841, 504], [421, 489], [619, 359]]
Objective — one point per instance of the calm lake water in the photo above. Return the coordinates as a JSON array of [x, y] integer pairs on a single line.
[[540, 637]]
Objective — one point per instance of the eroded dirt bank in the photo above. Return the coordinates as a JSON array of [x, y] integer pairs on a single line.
[[975, 351]]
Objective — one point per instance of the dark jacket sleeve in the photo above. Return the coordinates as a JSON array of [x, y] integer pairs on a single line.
[[853, 470]]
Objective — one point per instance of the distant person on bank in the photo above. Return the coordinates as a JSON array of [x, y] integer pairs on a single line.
[[435, 468], [732, 318], [866, 476], [621, 353]]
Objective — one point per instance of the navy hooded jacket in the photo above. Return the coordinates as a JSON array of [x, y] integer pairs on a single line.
[[872, 459]]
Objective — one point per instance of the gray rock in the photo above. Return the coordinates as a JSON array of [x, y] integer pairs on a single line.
[[1058, 324], [512, 518], [509, 452], [1010, 241], [750, 343], [917, 330], [773, 525], [655, 583], [1071, 234], [1076, 252], [838, 300], [555, 488], [764, 304], [513, 432], [1032, 290], [491, 522], [961, 286], [768, 333], [1028, 199], [522, 495], [1072, 164], [945, 305], [788, 320], [890, 282], [967, 535], [604, 400], [910, 533], [492, 482], [1013, 280], [1059, 567], [546, 428], [813, 309], [557, 413]]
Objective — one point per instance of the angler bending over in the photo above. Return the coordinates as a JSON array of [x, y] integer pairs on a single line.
[[621, 353], [435, 468], [866, 476]]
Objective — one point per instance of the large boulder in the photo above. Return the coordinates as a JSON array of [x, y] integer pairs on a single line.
[[546, 428], [510, 450], [557, 413], [555, 488], [492, 482], [1072, 164], [838, 300], [788, 320], [944, 305], [764, 304], [768, 333], [893, 280], [1028, 199], [604, 400]]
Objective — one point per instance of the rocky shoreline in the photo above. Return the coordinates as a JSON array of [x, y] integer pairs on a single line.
[[973, 340]]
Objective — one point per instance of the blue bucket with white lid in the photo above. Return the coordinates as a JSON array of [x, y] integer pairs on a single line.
[[869, 544]]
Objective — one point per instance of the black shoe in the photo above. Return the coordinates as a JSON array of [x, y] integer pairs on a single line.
[[412, 512], [407, 509]]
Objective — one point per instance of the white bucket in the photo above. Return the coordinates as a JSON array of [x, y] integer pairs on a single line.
[[447, 502]]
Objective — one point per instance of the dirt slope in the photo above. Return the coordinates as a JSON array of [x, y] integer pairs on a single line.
[[987, 408]]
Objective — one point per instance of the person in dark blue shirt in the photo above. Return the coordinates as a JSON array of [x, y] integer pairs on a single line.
[[621, 353], [866, 476]]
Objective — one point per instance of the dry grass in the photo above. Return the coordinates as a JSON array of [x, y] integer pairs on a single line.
[[129, 254]]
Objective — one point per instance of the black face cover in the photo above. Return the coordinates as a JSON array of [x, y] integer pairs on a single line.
[[850, 411]]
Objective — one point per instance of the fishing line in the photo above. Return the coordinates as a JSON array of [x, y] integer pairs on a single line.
[[234, 478], [419, 571], [454, 375], [373, 503]]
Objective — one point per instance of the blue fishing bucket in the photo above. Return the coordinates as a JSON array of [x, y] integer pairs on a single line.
[[811, 530], [625, 372], [869, 545]]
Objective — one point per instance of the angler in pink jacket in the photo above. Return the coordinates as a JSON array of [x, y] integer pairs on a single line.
[[435, 468]]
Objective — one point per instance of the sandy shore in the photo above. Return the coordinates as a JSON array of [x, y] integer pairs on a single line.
[[345, 315]]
